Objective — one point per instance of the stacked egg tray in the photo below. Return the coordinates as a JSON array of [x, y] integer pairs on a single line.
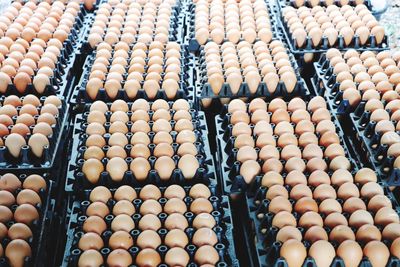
[[64, 72], [283, 3], [324, 83], [324, 45], [76, 180], [189, 29], [175, 31], [204, 90], [26, 159], [221, 214], [369, 141], [38, 242], [229, 167], [264, 248], [186, 89]]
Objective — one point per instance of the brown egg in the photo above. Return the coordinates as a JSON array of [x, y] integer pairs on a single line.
[[294, 252], [351, 253], [377, 253], [367, 233], [150, 192], [16, 252], [122, 222], [206, 255], [177, 257], [90, 257], [174, 191], [119, 257], [120, 240], [148, 257], [19, 231]]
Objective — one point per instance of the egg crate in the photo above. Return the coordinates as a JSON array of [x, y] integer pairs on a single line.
[[76, 180], [369, 142], [79, 96], [292, 3], [60, 82], [27, 160], [40, 228], [324, 46], [228, 167], [204, 90], [262, 234], [189, 31], [175, 30], [223, 229]]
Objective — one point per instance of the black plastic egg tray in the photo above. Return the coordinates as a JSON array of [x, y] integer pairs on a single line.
[[189, 28], [76, 180], [204, 90], [186, 89], [260, 233], [175, 30], [228, 167], [40, 228], [324, 83], [283, 3], [369, 141], [324, 46], [62, 80], [27, 160], [223, 229]]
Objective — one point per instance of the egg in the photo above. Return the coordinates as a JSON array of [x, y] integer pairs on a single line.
[[294, 252]]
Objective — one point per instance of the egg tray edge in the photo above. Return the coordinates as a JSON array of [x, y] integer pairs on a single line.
[[73, 227]]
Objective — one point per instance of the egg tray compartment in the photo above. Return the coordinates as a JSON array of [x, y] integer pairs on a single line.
[[189, 31], [204, 90], [369, 141], [221, 213], [292, 3], [79, 96], [324, 46], [76, 180], [262, 235], [27, 160], [228, 167], [174, 34], [40, 228]]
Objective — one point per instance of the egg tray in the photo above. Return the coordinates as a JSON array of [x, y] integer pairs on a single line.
[[221, 213], [204, 90], [292, 3], [175, 30], [369, 141], [324, 46], [261, 234], [27, 160], [228, 167], [40, 228], [76, 180], [79, 96], [189, 29], [60, 81]]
